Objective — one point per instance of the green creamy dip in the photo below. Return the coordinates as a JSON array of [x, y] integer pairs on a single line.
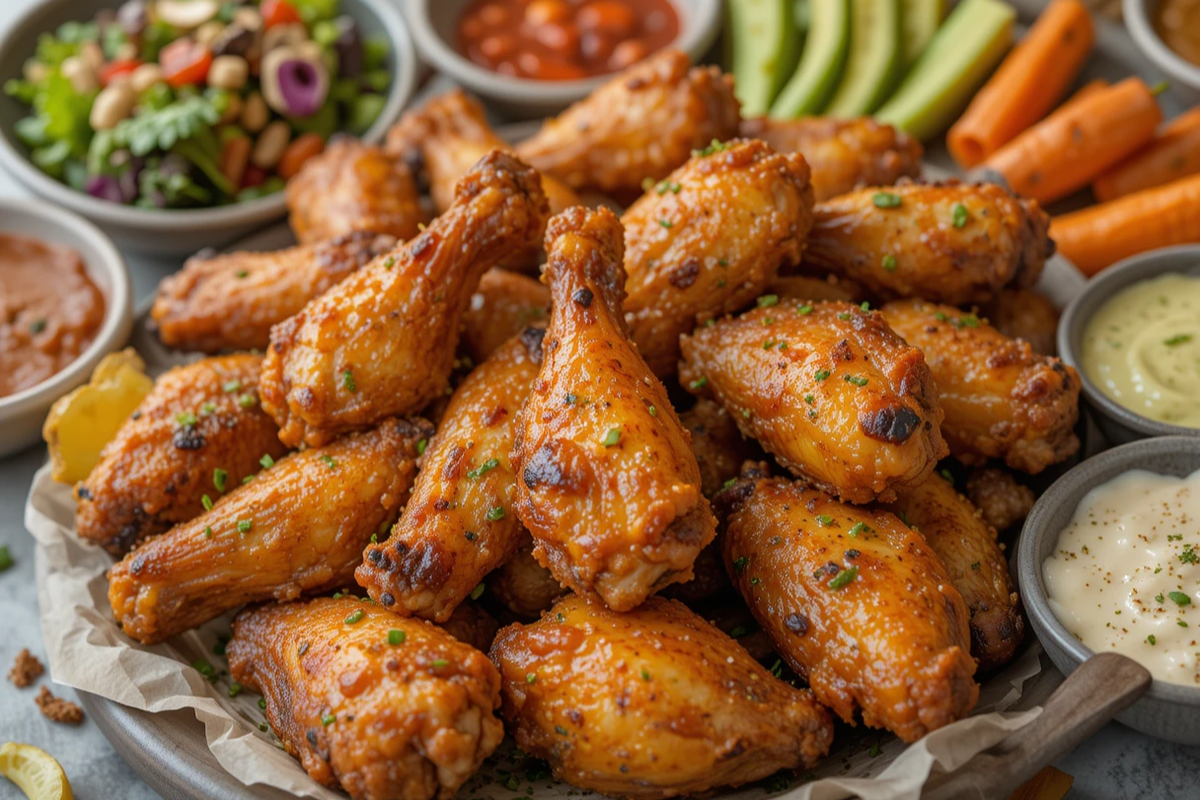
[[1142, 349]]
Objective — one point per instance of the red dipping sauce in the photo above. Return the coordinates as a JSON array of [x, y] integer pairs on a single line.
[[564, 40]]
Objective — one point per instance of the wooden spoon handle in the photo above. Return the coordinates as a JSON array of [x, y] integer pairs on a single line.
[[1102, 687]]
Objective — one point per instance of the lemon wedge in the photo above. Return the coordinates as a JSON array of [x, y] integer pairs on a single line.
[[35, 772]]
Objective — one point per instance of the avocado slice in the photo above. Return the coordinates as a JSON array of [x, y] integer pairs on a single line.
[[821, 61], [764, 40], [875, 60]]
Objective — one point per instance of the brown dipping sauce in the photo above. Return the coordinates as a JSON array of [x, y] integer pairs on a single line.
[[564, 40], [1177, 23], [50, 311]]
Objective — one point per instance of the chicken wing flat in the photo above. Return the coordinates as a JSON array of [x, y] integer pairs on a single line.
[[459, 524], [650, 704], [299, 526], [996, 493], [1025, 314], [1001, 399], [382, 341], [504, 305], [231, 301], [353, 186], [524, 586], [719, 446], [966, 545], [828, 388], [198, 431], [641, 124], [607, 482], [857, 603], [384, 707], [907, 240], [843, 153], [708, 239]]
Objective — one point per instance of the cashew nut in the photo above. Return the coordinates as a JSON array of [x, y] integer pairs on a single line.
[[271, 143], [228, 72], [255, 113], [82, 77], [145, 76], [186, 14], [112, 105]]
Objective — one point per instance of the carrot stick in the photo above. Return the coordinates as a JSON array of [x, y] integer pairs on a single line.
[[1095, 237], [1065, 151], [1174, 153], [1028, 83], [1090, 88]]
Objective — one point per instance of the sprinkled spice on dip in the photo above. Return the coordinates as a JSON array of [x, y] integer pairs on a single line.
[[50, 311], [1125, 574], [1142, 349]]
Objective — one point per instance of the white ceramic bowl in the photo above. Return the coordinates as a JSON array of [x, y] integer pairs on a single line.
[[1137, 20], [22, 414]]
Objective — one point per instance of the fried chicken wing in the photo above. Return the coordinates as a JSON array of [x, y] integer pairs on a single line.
[[231, 301], [383, 707], [458, 526], [708, 240], [524, 586], [299, 526], [843, 153], [200, 423], [641, 124], [719, 446], [966, 545], [996, 493], [650, 704], [504, 305], [1025, 314], [1001, 399], [829, 389], [607, 482], [382, 341], [857, 603], [906, 240]]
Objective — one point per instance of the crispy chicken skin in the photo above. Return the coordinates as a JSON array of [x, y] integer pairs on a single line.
[[650, 704], [382, 341], [504, 305], [353, 186], [470, 624], [828, 389], [642, 124], [299, 526], [843, 153], [1003, 502], [410, 721], [1025, 314], [708, 240], [914, 249], [607, 482], [1001, 399], [231, 301], [156, 471], [856, 602], [445, 137], [966, 545], [522, 585], [719, 446], [448, 537]]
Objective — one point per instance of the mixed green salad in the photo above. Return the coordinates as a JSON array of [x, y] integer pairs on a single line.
[[193, 103]]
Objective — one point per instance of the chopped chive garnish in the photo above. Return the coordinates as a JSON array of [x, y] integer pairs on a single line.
[[804, 309], [889, 262], [768, 300], [389, 262], [886, 200], [396, 637], [203, 667], [357, 615], [1151, 640], [645, 674], [244, 525], [186, 419], [246, 401], [37, 326], [612, 437], [740, 564], [206, 501], [421, 445], [824, 520], [328, 719], [262, 703], [241, 273], [699, 383], [843, 578], [857, 380], [666, 223], [220, 478], [207, 532], [822, 374], [1180, 598], [728, 483], [496, 513], [960, 215], [266, 462], [348, 381], [530, 677], [1178, 338], [232, 386], [483, 468], [440, 662], [653, 411], [235, 689], [329, 462], [859, 527], [477, 592], [808, 398]]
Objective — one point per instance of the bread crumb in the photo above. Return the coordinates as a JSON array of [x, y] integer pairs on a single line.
[[25, 669], [58, 710]]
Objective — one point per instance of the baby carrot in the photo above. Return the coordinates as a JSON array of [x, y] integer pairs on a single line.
[[1028, 83], [1065, 151], [1095, 237], [1174, 153]]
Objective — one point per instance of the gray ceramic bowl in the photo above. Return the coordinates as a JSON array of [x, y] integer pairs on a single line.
[[174, 232], [22, 414], [1137, 14], [433, 26], [1167, 711], [1118, 423]]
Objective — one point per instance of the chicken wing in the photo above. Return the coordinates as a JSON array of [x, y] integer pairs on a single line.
[[457, 527], [708, 240], [828, 388], [1003, 502], [857, 603], [199, 431], [607, 483], [231, 301], [299, 526], [719, 446], [382, 341], [1001, 399], [966, 545], [843, 153], [641, 124], [650, 704], [951, 242], [813, 289], [470, 624], [1025, 314], [504, 305], [353, 186], [383, 707], [524, 586]]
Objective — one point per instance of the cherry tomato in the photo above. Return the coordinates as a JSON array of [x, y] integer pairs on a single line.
[[253, 176], [184, 62], [278, 12], [115, 69]]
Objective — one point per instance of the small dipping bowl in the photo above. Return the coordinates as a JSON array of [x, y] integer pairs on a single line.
[[1137, 15]]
